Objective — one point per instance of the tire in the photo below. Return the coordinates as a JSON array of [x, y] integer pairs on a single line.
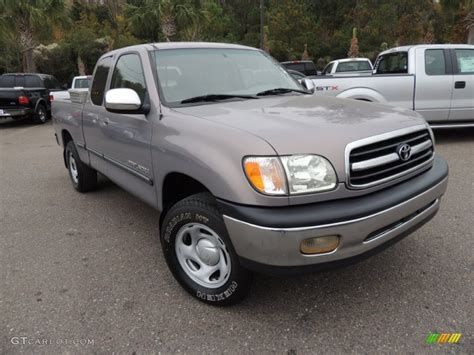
[[199, 252], [41, 114], [83, 178]]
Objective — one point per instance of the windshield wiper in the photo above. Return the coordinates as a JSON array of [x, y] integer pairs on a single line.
[[279, 91], [216, 97]]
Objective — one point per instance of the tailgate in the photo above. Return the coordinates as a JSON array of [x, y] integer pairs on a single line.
[[9, 98]]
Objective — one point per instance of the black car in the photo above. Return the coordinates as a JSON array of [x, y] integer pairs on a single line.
[[306, 67], [25, 95]]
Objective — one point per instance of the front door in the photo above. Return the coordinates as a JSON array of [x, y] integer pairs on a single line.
[[127, 137]]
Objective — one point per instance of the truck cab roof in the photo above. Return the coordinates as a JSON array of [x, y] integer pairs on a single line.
[[433, 46]]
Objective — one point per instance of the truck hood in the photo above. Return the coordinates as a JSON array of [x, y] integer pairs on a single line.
[[307, 123]]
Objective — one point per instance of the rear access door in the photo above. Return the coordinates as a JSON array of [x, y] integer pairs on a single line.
[[434, 83], [462, 106]]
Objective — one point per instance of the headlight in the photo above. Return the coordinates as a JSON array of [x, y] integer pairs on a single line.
[[300, 174], [266, 175], [308, 173]]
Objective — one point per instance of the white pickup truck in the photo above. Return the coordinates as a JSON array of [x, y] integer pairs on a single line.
[[435, 80], [79, 83]]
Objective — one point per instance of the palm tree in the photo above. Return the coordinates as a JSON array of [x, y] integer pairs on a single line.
[[146, 16], [26, 20]]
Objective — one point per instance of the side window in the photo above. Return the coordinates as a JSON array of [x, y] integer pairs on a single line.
[[465, 61], [100, 80], [55, 83], [328, 68], [128, 73], [434, 62], [392, 63], [48, 84], [51, 83]]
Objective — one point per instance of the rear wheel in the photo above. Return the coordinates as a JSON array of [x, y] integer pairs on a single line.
[[41, 114], [200, 254], [83, 178]]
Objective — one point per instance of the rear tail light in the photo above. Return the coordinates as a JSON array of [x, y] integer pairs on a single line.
[[51, 97], [23, 100]]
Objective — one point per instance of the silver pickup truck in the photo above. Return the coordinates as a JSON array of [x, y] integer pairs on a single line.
[[248, 170], [435, 80]]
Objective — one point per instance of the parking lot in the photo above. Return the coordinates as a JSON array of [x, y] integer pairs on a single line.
[[86, 271]]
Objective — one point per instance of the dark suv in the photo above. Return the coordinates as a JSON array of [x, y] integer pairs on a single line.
[[24, 95]]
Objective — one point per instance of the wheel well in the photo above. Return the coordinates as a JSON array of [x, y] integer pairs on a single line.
[[178, 186], [66, 138], [366, 100]]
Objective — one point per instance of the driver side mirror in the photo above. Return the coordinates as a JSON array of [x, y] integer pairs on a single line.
[[123, 100], [308, 84]]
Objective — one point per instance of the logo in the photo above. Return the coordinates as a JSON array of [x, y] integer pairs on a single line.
[[442, 338], [404, 151]]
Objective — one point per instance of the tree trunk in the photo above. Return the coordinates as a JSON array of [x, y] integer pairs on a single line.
[[29, 65], [470, 35], [27, 43], [81, 68]]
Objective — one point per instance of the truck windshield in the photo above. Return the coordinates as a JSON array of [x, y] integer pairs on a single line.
[[184, 74]]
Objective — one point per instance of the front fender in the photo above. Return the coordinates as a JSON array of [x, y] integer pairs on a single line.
[[210, 153], [366, 94]]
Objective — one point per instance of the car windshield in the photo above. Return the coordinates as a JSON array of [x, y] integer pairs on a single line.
[[189, 73]]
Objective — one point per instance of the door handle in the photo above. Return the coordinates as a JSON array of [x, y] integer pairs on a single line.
[[459, 84]]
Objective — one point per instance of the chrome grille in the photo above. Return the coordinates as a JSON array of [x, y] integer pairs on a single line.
[[374, 161]]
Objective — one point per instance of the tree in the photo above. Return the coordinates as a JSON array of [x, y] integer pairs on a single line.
[[144, 19], [354, 49], [305, 55], [290, 28], [159, 19], [28, 22]]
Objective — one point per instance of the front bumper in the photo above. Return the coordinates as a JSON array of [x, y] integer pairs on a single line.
[[268, 240]]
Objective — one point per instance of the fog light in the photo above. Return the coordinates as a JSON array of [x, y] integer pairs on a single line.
[[319, 245]]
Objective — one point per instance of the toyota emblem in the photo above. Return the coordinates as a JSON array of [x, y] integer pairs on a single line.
[[404, 151]]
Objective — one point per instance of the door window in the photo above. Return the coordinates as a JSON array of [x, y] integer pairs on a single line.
[[128, 73], [465, 61], [434, 62], [392, 63], [100, 80], [328, 68]]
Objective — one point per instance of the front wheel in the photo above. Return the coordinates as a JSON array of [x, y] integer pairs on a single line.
[[199, 252], [83, 177]]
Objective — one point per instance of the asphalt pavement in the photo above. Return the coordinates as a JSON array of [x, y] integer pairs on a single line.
[[84, 273]]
